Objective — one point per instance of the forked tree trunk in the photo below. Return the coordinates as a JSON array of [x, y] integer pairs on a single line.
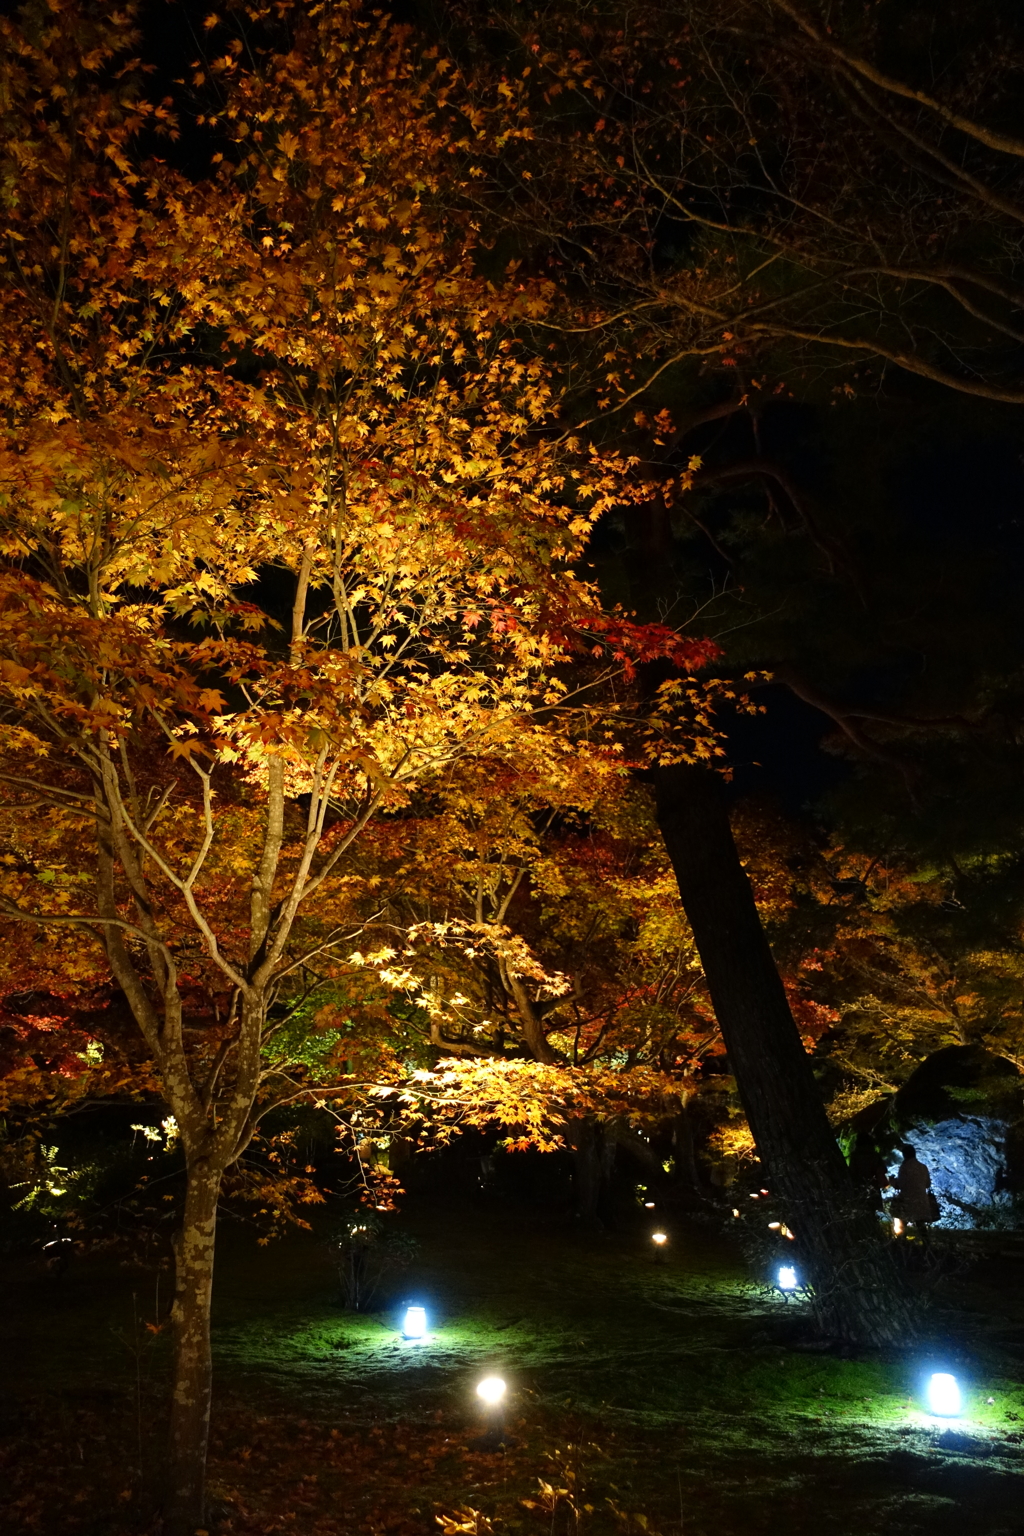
[[859, 1296], [193, 1366]]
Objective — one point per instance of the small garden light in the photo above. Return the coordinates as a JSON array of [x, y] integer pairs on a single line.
[[415, 1324], [787, 1278], [491, 1392], [943, 1395], [659, 1238]]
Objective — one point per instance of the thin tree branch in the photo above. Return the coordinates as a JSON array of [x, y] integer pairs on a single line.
[[1002, 142]]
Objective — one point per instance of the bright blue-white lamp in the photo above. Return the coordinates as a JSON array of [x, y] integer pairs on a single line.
[[943, 1396], [415, 1325], [787, 1278]]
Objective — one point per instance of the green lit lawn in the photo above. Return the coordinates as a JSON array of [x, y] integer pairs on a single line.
[[685, 1362], [674, 1392]]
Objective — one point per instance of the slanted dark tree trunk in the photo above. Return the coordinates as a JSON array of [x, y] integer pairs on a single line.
[[858, 1294], [193, 1364]]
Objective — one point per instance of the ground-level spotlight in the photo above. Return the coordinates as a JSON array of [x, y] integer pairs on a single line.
[[943, 1395], [659, 1239], [787, 1278], [491, 1391], [415, 1324]]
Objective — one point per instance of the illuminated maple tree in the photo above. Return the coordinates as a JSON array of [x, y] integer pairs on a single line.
[[287, 537], [543, 978]]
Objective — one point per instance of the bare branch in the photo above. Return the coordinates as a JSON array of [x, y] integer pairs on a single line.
[[76, 920], [1004, 143]]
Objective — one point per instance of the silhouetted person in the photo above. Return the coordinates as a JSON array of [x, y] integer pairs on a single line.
[[914, 1182], [868, 1169]]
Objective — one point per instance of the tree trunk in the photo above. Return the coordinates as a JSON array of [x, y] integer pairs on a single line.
[[687, 1174], [858, 1294], [586, 1139], [193, 1366]]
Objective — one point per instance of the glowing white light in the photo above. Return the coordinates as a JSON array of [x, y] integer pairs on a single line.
[[415, 1325], [735, 1211], [943, 1395], [659, 1238], [648, 1205], [491, 1390], [787, 1278], [897, 1227]]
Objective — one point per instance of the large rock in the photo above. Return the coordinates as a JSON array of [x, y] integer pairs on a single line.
[[967, 1159], [961, 1111]]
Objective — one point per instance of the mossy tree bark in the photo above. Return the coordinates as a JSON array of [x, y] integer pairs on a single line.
[[193, 1362], [858, 1293]]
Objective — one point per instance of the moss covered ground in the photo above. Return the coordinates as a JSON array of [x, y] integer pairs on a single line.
[[673, 1397]]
